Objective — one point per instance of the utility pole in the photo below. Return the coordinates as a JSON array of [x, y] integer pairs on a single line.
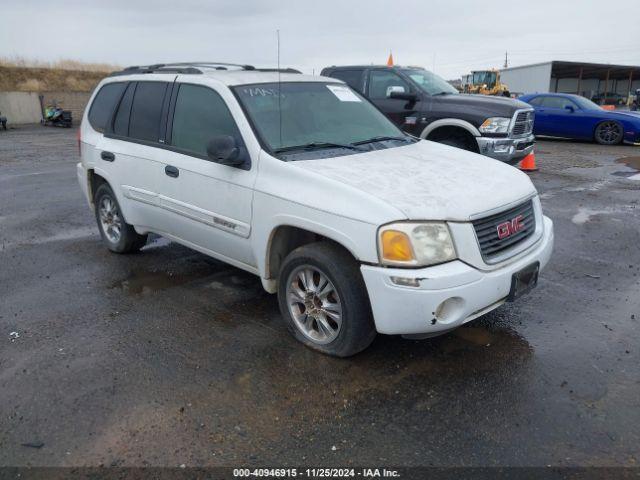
[[506, 60]]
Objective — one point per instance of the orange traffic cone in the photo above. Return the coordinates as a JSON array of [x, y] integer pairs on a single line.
[[390, 60], [528, 163]]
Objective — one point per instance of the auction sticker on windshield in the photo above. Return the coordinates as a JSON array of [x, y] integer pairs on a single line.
[[344, 94]]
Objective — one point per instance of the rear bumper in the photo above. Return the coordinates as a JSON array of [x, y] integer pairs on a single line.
[[83, 180], [467, 291], [509, 150]]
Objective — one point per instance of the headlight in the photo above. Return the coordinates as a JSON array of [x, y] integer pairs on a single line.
[[415, 244], [495, 125]]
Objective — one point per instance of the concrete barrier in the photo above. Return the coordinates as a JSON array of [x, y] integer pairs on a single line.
[[20, 107]]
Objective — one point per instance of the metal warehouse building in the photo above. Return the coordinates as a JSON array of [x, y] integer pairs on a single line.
[[585, 79]]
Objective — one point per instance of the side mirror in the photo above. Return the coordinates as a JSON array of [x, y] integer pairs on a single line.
[[570, 108], [224, 149], [394, 89]]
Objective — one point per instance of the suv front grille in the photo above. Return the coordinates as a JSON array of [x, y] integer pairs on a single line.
[[523, 124], [491, 245]]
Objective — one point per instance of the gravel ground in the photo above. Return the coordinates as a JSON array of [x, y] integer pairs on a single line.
[[168, 357]]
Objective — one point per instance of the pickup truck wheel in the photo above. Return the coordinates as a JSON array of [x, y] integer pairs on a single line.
[[457, 141], [324, 301], [119, 236]]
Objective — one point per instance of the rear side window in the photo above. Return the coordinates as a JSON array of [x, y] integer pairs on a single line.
[[146, 111], [353, 78], [103, 105], [121, 120], [200, 114]]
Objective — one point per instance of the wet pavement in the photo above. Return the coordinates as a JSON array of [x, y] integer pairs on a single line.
[[168, 357]]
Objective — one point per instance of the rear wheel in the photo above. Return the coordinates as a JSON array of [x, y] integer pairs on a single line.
[[118, 235], [324, 301], [608, 133]]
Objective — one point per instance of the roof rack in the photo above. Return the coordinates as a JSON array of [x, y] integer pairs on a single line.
[[281, 70], [182, 67]]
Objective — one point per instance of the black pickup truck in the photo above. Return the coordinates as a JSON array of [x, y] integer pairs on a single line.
[[427, 106]]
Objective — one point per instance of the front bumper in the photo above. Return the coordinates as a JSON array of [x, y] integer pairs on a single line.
[[466, 291], [509, 150]]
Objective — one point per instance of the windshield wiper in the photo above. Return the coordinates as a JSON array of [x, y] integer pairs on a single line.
[[317, 146], [381, 139], [442, 93]]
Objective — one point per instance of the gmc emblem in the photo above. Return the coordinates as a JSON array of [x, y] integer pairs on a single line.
[[507, 229]]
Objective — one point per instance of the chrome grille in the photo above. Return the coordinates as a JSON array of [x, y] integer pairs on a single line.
[[523, 123], [487, 230]]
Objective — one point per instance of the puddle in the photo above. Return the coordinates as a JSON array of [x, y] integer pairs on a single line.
[[632, 163], [475, 335], [149, 282]]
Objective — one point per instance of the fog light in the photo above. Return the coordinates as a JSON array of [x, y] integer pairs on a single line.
[[502, 148], [450, 311], [406, 282]]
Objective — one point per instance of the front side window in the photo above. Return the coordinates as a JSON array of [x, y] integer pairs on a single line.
[[382, 81], [313, 115], [146, 111], [103, 105], [200, 114]]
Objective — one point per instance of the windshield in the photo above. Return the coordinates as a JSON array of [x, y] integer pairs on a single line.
[[584, 103], [315, 115], [429, 82], [486, 78]]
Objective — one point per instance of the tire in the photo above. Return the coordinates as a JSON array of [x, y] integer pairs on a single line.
[[348, 326], [117, 235], [608, 132], [456, 141]]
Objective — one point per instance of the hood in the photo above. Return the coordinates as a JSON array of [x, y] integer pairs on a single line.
[[623, 114], [427, 180], [491, 105]]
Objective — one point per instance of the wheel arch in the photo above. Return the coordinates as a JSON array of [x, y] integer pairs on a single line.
[[286, 237], [450, 122], [94, 180]]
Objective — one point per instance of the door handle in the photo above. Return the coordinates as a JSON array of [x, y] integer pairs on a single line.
[[172, 171], [107, 156]]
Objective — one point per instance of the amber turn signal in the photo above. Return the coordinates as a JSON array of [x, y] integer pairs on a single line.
[[396, 246]]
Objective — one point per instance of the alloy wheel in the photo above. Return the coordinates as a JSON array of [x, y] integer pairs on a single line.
[[609, 133], [314, 304], [110, 219]]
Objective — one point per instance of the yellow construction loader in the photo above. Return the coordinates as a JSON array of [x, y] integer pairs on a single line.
[[485, 82]]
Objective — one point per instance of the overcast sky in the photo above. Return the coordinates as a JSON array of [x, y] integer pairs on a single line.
[[451, 37]]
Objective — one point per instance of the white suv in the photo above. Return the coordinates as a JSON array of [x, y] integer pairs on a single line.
[[298, 179]]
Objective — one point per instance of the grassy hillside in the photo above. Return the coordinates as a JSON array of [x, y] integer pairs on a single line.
[[18, 75]]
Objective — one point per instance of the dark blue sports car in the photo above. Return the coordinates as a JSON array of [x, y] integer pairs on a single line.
[[573, 116]]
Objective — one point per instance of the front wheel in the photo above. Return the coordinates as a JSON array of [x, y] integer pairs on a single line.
[[457, 141], [118, 235], [324, 301], [608, 133]]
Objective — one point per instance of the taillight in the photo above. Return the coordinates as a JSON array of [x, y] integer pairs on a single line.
[[79, 137]]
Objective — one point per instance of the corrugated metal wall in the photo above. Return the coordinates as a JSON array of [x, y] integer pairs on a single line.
[[530, 79]]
